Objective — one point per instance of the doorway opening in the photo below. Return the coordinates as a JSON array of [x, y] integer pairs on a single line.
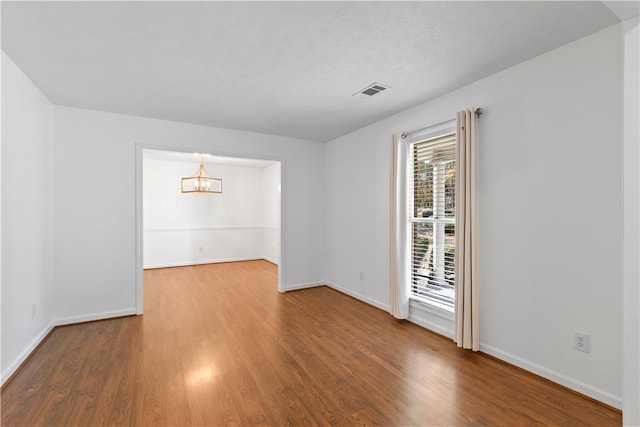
[[176, 228]]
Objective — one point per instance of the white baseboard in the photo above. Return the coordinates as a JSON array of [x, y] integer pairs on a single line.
[[358, 296], [95, 316], [26, 353], [206, 261], [556, 377], [299, 286], [271, 260]]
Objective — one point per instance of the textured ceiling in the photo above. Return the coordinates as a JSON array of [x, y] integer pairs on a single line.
[[283, 68]]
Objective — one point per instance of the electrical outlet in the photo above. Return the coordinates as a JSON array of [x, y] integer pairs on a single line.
[[581, 341], [201, 249], [361, 276], [33, 310]]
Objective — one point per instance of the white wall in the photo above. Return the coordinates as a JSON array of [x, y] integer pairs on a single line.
[[549, 207], [27, 270], [185, 229], [95, 230], [271, 197], [631, 392]]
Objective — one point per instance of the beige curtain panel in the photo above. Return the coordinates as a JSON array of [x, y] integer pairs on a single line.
[[399, 292], [466, 333]]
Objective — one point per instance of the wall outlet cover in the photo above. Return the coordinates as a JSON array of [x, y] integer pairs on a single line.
[[581, 341]]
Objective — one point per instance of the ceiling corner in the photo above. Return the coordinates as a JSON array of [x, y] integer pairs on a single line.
[[624, 9]]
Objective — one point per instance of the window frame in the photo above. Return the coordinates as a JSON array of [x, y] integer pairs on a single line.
[[449, 127]]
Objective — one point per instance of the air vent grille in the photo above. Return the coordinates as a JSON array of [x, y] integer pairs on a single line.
[[371, 90]]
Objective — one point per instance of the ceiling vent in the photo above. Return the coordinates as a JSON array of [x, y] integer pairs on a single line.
[[370, 90]]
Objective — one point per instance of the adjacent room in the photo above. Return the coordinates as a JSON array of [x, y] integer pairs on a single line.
[[320, 213], [233, 217]]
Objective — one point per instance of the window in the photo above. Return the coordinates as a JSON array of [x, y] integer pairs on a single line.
[[432, 211]]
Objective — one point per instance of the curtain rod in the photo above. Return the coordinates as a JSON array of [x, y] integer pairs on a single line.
[[404, 135]]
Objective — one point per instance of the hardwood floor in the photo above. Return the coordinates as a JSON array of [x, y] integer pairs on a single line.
[[218, 345]]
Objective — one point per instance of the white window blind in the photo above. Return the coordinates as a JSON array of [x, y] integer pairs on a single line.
[[432, 206]]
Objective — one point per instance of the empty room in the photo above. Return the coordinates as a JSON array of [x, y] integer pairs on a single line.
[[320, 213]]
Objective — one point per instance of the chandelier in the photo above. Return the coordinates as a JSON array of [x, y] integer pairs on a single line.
[[201, 182]]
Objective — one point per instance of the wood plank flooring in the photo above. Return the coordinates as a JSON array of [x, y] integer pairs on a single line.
[[218, 346]]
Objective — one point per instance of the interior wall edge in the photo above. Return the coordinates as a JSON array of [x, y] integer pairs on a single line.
[[631, 239]]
